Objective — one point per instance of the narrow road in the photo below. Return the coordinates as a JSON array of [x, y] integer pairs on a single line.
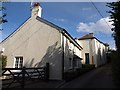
[[97, 78]]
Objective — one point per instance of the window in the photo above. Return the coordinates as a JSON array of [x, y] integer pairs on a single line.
[[18, 62], [75, 63], [70, 62]]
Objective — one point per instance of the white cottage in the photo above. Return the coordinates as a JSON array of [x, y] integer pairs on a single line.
[[37, 42], [94, 51]]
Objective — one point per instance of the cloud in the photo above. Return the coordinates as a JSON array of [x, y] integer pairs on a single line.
[[96, 27], [112, 44], [0, 36], [85, 9], [61, 19], [93, 16]]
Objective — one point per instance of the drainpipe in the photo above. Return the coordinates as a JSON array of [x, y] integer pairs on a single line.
[[73, 59], [62, 41], [92, 51]]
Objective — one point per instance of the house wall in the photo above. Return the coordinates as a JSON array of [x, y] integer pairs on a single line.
[[38, 43], [100, 53], [96, 50], [77, 52], [86, 44], [69, 51]]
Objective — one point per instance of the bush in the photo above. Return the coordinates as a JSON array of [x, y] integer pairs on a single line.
[[70, 75], [73, 74], [3, 61], [88, 66], [115, 68]]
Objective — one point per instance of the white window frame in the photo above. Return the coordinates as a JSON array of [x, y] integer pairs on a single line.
[[19, 60]]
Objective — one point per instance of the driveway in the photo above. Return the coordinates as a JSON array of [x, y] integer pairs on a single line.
[[97, 78]]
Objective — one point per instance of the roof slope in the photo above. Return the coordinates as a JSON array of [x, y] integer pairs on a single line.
[[91, 36], [87, 36]]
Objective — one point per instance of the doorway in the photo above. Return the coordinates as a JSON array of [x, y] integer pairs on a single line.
[[86, 58]]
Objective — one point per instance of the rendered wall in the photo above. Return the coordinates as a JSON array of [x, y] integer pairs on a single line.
[[38, 43]]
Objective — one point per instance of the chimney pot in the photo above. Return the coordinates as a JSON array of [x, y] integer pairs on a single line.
[[91, 34], [36, 10]]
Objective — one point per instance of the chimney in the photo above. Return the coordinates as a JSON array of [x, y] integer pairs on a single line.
[[36, 9], [91, 34]]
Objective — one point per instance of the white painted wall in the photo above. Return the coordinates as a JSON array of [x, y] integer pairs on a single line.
[[38, 43], [96, 50], [101, 53], [69, 50], [86, 48]]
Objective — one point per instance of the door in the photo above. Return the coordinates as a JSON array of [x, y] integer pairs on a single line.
[[86, 58]]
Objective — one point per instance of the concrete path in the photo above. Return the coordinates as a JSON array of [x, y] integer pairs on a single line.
[[97, 78]]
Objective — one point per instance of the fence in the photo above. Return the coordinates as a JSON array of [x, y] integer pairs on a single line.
[[21, 75]]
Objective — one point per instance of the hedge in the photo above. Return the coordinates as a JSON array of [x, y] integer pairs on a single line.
[[3, 61]]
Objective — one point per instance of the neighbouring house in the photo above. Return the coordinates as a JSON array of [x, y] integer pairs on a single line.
[[37, 42], [94, 51]]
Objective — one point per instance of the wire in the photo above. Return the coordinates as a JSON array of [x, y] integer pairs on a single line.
[[100, 14]]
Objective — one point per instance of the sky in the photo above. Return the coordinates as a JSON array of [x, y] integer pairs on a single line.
[[78, 18]]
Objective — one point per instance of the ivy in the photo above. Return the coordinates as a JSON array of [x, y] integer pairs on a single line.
[[3, 61]]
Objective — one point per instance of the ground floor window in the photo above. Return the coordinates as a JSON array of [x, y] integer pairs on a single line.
[[75, 63], [70, 62], [18, 62]]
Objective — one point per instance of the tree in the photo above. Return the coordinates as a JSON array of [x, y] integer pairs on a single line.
[[115, 16], [2, 20], [3, 61]]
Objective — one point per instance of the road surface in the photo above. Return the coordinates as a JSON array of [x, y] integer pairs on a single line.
[[97, 78]]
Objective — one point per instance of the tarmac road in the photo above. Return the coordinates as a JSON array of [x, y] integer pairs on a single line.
[[97, 78]]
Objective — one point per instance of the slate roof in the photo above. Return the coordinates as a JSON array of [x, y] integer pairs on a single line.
[[91, 36]]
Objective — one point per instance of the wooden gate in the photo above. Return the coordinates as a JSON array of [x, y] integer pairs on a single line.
[[20, 75]]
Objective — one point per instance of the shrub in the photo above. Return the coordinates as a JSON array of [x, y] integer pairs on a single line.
[[3, 61], [115, 68], [73, 74], [88, 66]]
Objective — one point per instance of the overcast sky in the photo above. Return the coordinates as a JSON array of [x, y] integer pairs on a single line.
[[78, 18]]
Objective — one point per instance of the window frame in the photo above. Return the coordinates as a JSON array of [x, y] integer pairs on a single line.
[[18, 62]]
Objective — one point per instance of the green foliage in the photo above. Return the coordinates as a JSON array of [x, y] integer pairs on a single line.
[[88, 66], [2, 18], [73, 74], [115, 16], [115, 68], [2, 8], [3, 61]]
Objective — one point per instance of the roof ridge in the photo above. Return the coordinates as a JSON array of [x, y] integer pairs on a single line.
[[86, 36]]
